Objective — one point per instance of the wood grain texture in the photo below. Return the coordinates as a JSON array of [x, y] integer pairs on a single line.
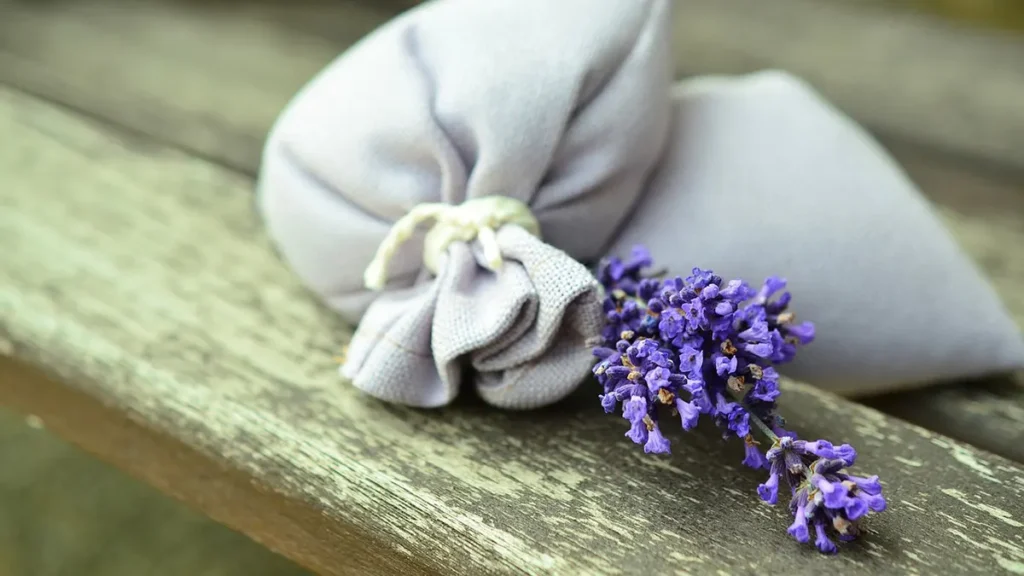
[[211, 76], [987, 413], [66, 513], [139, 279], [905, 75]]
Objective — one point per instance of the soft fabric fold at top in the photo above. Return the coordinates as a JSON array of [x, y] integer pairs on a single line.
[[559, 105], [764, 177]]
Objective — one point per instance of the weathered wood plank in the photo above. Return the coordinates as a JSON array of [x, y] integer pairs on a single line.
[[67, 513], [206, 76], [989, 413], [905, 75], [139, 279], [211, 77]]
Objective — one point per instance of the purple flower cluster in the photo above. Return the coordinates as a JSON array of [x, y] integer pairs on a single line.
[[700, 346], [824, 496]]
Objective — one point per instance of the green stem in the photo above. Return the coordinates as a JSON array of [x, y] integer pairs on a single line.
[[767, 431], [764, 428]]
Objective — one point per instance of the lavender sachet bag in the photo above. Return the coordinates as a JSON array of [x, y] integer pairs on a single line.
[[573, 120], [443, 181]]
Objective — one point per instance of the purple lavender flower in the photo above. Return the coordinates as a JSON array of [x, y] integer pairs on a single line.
[[635, 410], [732, 417], [625, 274], [753, 457], [689, 413], [691, 360], [621, 317], [824, 495], [700, 346], [656, 442]]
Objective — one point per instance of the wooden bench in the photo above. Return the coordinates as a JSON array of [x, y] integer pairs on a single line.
[[144, 316]]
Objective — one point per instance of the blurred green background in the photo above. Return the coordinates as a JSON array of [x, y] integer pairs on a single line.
[[1004, 14], [65, 513]]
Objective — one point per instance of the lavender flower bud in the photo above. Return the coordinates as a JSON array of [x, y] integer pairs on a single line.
[[698, 346]]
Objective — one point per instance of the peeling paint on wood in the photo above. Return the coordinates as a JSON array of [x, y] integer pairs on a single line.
[[140, 280]]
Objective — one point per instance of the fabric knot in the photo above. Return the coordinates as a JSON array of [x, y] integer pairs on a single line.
[[477, 218]]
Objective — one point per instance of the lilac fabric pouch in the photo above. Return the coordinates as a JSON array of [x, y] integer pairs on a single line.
[[764, 177], [390, 160], [471, 157]]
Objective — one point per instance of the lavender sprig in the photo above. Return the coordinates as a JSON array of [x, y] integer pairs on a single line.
[[700, 346]]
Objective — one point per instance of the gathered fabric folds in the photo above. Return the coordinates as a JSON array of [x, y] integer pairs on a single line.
[[452, 102], [446, 182]]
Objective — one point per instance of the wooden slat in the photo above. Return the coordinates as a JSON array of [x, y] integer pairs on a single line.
[[905, 75], [210, 77], [179, 347], [987, 413]]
